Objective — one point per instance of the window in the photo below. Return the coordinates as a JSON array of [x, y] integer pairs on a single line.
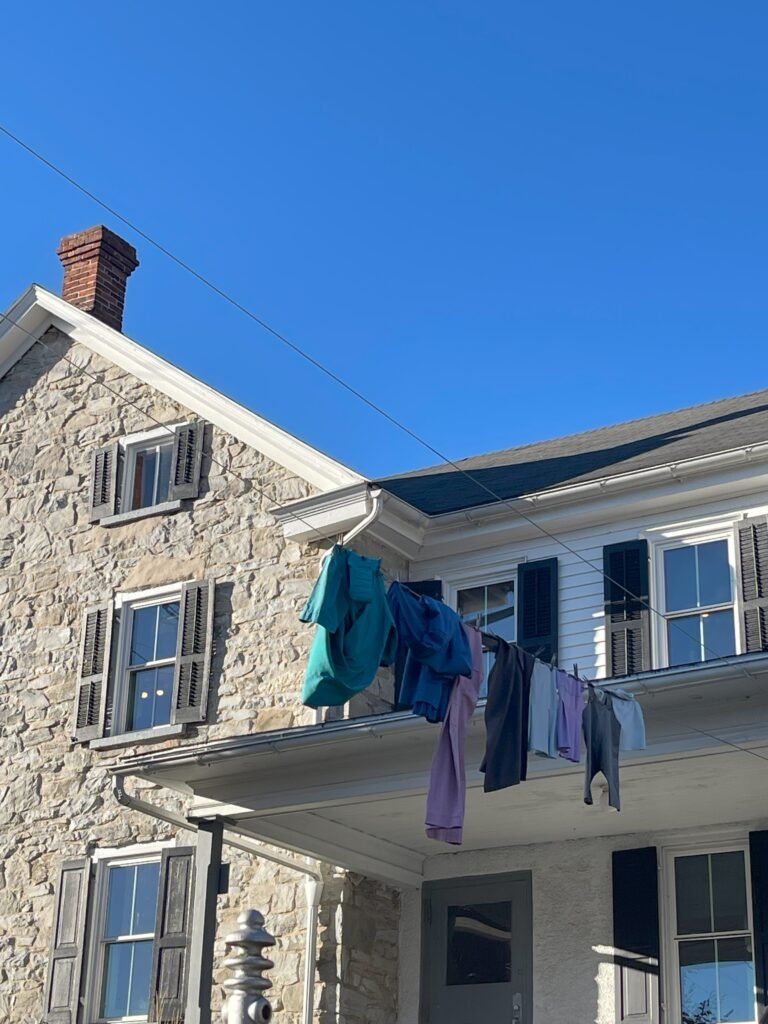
[[146, 473], [122, 925], [714, 974], [145, 681], [147, 476], [489, 607], [157, 681], [698, 599], [126, 939]]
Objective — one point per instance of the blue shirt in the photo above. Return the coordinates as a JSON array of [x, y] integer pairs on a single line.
[[355, 631]]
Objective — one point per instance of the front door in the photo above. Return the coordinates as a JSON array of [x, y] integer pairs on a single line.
[[476, 951]]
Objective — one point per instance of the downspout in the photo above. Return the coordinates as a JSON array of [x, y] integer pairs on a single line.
[[313, 882], [377, 506]]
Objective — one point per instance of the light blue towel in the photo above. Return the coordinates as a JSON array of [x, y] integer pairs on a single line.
[[629, 715]]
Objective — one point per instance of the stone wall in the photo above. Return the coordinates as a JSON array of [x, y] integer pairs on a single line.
[[55, 798]]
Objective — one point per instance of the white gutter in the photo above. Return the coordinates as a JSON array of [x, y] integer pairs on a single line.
[[313, 881], [377, 507]]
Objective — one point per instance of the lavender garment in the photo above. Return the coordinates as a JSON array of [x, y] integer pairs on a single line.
[[569, 714], [448, 782]]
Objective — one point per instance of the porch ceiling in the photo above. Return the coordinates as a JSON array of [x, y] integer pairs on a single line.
[[353, 793]]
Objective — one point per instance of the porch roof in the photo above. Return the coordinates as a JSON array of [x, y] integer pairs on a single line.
[[352, 792]]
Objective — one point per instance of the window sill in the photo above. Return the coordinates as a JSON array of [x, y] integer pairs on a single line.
[[141, 513], [129, 739]]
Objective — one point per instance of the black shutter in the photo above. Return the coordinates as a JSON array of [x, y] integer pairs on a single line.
[[627, 614], [427, 588], [753, 581], [103, 496], [186, 460], [172, 934], [93, 682], [62, 990], [193, 652], [758, 858], [636, 935], [537, 608]]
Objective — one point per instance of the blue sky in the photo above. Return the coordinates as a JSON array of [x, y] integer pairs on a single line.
[[501, 221]]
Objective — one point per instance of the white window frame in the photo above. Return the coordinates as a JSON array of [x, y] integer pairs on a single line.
[[700, 533], [103, 860], [130, 445], [671, 974], [126, 604]]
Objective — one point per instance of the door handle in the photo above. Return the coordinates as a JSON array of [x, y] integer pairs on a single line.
[[517, 1007]]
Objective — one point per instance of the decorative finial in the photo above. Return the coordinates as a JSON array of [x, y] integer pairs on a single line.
[[245, 1002]]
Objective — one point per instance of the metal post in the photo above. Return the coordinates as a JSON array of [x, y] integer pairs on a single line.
[[245, 1002], [207, 879]]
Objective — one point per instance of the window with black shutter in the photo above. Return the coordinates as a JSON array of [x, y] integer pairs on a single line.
[[121, 930], [145, 664], [146, 474], [752, 537]]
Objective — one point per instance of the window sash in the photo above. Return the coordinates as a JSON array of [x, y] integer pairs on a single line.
[[124, 666], [131, 452], [674, 938]]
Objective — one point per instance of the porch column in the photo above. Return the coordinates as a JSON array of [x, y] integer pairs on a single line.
[[207, 886]]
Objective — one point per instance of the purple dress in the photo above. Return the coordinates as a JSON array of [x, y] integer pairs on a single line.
[[448, 782], [569, 715]]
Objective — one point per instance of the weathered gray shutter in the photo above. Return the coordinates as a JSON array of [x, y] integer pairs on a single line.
[[93, 681], [537, 608], [62, 990], [187, 460], [636, 935], [627, 611], [753, 581], [172, 934], [193, 652], [758, 863], [103, 496]]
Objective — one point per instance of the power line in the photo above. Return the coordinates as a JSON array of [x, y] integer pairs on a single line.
[[347, 387]]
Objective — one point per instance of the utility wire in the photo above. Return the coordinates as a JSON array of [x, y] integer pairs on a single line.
[[347, 387]]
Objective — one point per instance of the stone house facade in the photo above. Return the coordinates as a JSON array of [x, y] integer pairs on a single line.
[[159, 542]]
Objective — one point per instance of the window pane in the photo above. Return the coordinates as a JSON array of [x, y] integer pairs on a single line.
[[736, 975], [145, 904], [164, 472], [692, 895], [680, 578], [117, 975], [719, 634], [479, 950], [144, 478], [127, 975], [729, 892], [167, 629], [149, 697], [120, 901], [143, 635], [489, 607], [698, 982], [683, 639], [714, 573]]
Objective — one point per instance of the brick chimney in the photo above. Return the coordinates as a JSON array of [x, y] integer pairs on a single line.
[[97, 265]]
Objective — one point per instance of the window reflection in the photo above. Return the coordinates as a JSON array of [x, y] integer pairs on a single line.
[[479, 945]]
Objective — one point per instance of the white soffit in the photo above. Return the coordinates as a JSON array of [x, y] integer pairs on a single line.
[[37, 309]]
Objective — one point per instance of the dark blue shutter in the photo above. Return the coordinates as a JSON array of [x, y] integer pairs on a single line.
[[636, 935], [537, 608], [758, 858], [627, 612]]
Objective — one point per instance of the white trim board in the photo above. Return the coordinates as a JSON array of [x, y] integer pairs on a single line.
[[37, 309]]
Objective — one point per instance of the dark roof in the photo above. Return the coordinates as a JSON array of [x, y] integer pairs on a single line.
[[593, 455]]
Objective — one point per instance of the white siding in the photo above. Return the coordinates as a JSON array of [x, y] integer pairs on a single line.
[[581, 622]]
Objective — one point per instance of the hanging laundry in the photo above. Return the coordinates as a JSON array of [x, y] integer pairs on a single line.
[[433, 650], [448, 784], [506, 718], [542, 722], [355, 631], [630, 716], [569, 715], [601, 737]]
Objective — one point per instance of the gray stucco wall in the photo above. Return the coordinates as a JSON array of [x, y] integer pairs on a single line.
[[55, 799]]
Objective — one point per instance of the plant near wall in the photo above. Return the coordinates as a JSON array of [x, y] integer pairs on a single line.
[[701, 1014]]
